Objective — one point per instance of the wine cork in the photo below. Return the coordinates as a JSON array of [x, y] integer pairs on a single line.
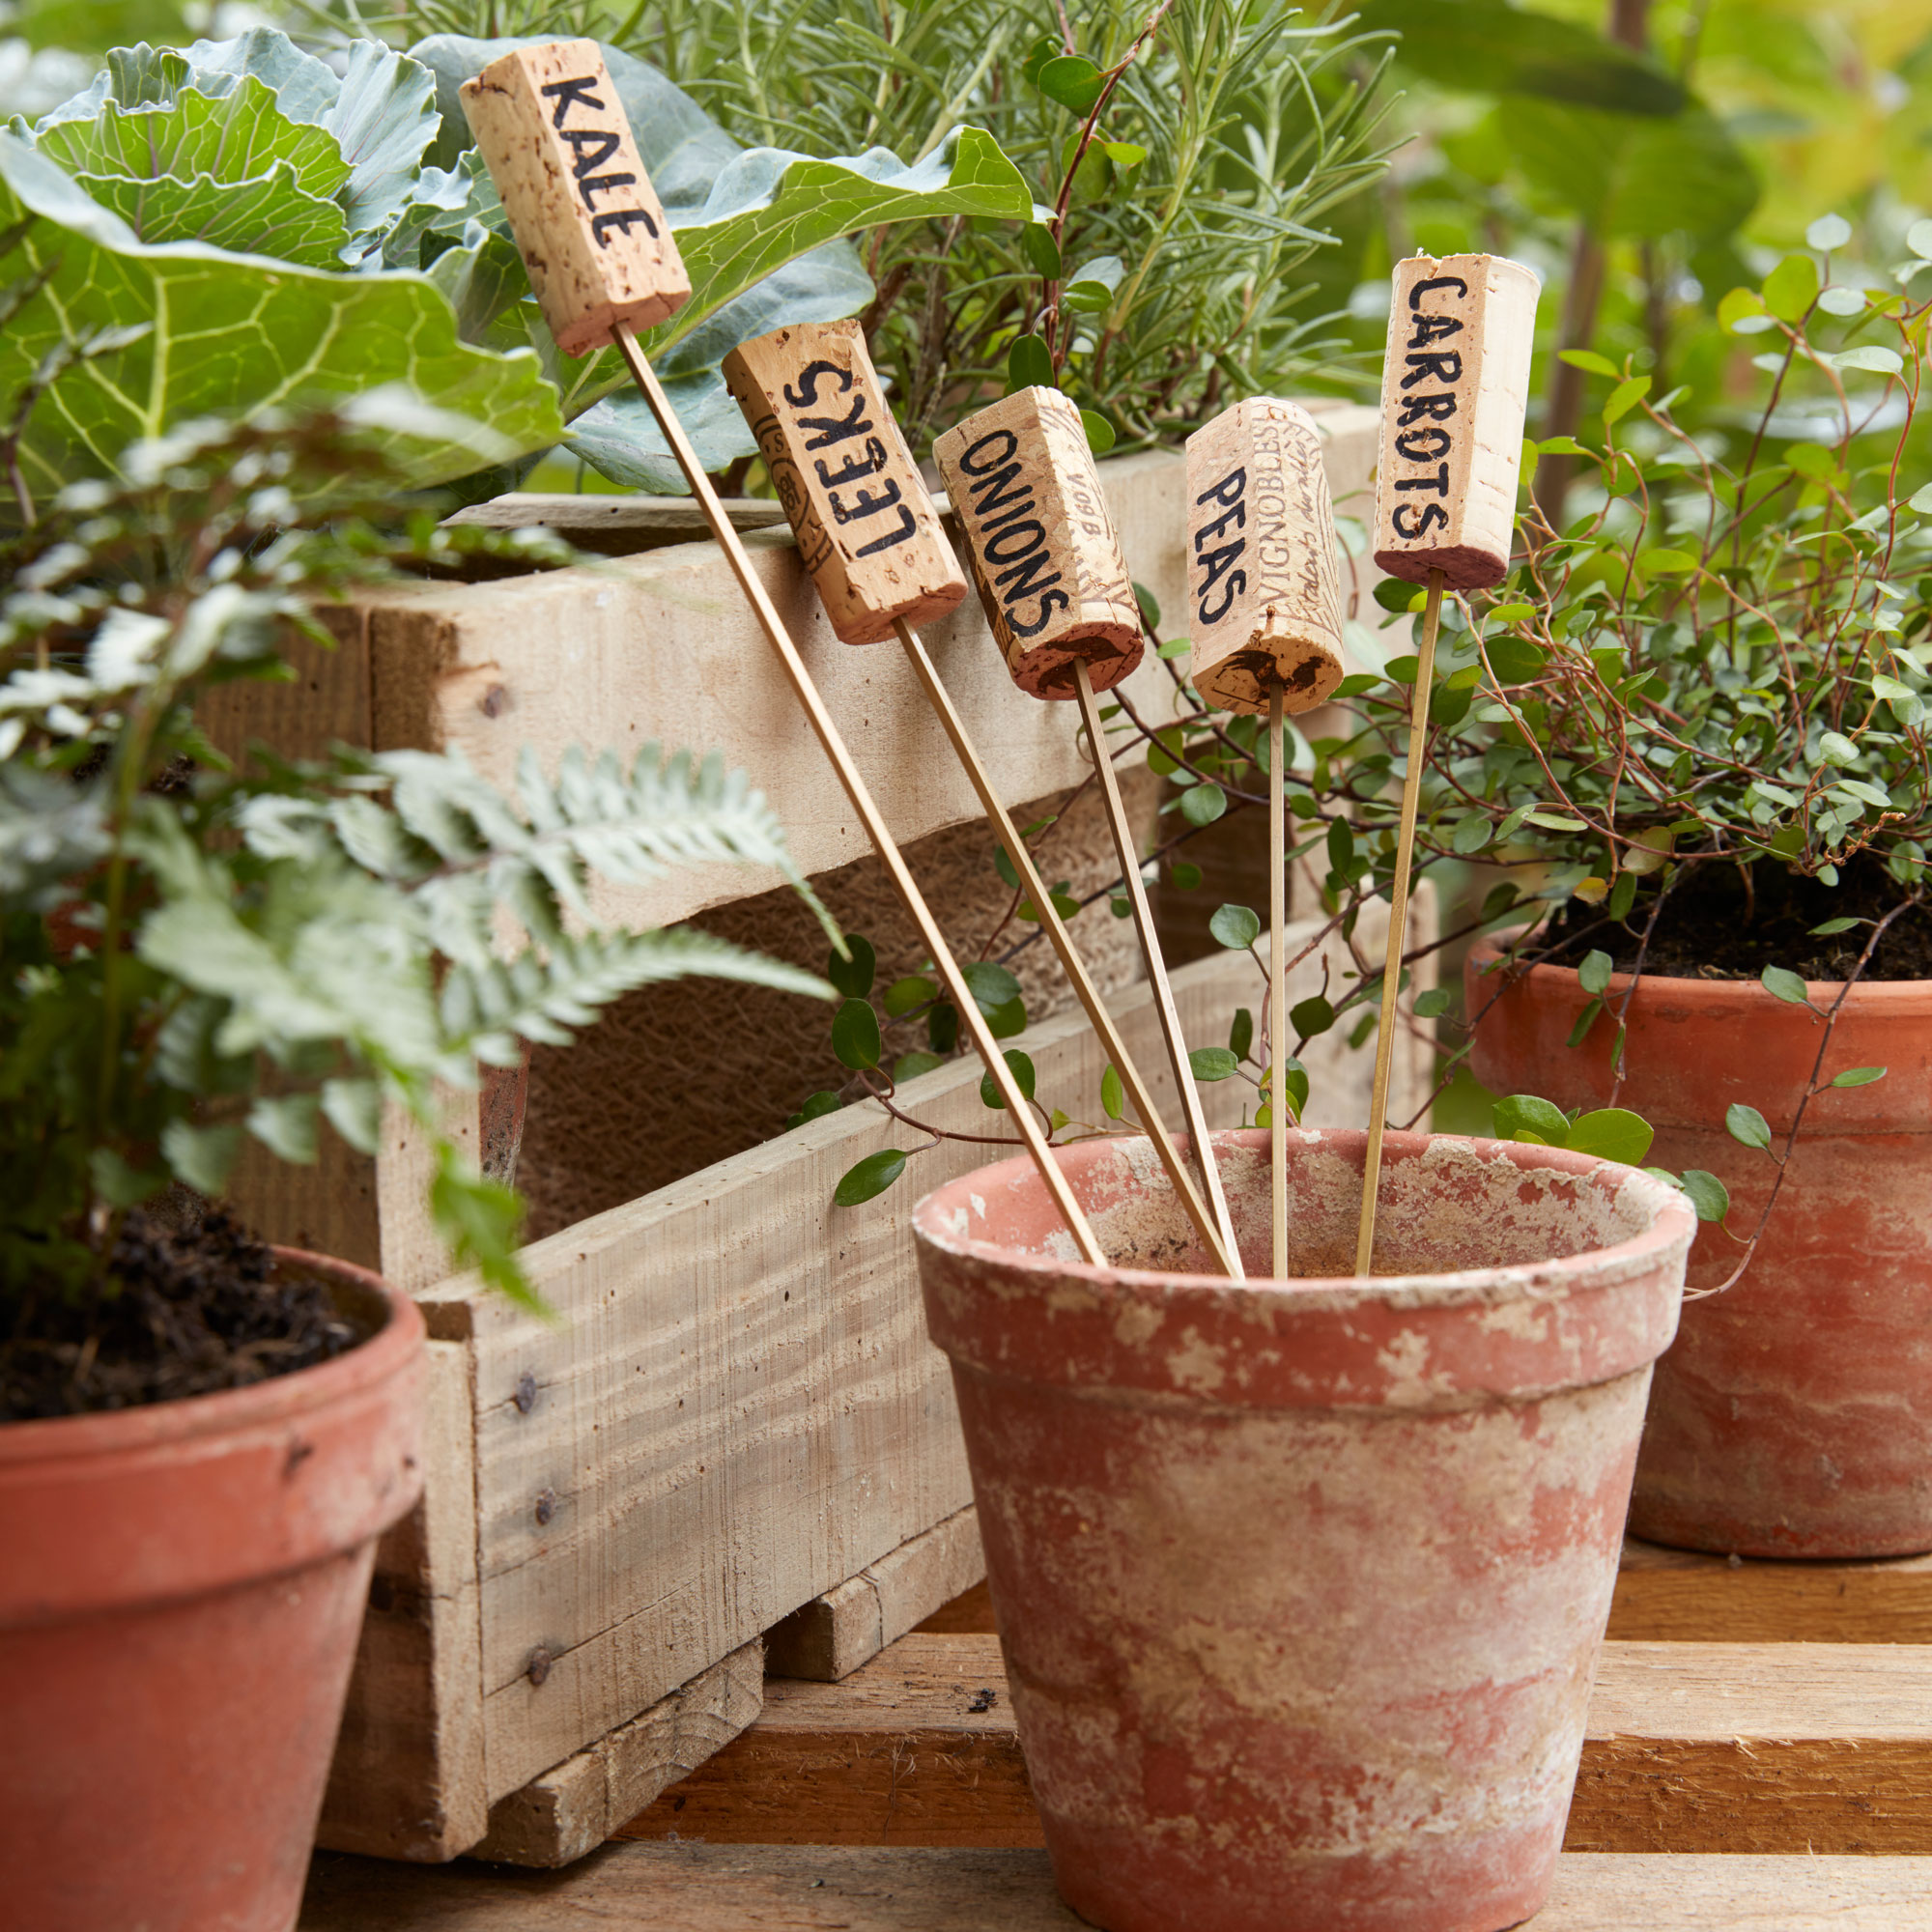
[[1453, 390], [1263, 579], [867, 529], [587, 222], [1044, 551]]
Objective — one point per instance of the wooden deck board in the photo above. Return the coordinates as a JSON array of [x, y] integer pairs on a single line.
[[1680, 1595], [822, 1888], [1691, 1748]]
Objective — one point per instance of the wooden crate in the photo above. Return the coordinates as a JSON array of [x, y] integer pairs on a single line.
[[738, 1426]]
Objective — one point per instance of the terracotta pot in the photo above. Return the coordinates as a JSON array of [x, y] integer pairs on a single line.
[[1794, 1416], [1301, 1584], [179, 1608]]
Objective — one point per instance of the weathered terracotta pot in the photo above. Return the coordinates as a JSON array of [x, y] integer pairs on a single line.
[[1301, 1584], [1793, 1417], [179, 1602]]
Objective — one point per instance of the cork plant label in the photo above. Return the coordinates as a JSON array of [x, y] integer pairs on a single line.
[[1044, 551], [588, 224], [1453, 390], [867, 529], [1263, 580]]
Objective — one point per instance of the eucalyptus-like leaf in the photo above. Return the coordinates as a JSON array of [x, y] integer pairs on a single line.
[[1746, 1124], [870, 1176]]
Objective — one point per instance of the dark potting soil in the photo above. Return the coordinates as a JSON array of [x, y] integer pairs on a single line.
[[183, 1310], [1714, 927]]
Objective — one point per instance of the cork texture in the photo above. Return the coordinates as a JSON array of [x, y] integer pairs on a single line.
[[1455, 387], [588, 224], [1263, 575], [675, 1077], [865, 528], [1044, 549]]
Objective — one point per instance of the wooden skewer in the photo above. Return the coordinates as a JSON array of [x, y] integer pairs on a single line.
[[1191, 1110], [1277, 982], [871, 537], [1398, 928], [1105, 1030], [1264, 580], [554, 137], [1055, 589], [1455, 385]]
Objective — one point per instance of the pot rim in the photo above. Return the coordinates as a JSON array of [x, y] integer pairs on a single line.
[[184, 1419], [1911, 995], [1673, 1223]]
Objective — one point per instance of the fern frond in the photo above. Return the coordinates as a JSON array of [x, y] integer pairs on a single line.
[[544, 997]]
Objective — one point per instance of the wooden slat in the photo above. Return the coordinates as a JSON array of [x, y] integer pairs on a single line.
[[407, 1780], [573, 1808], [820, 1889], [831, 1636], [1681, 1596], [617, 525], [740, 1409], [1691, 1747]]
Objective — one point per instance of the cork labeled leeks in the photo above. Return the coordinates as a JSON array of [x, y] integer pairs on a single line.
[[1453, 391], [1263, 582], [1045, 555], [867, 529], [589, 226]]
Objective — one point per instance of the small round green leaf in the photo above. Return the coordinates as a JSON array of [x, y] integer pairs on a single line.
[[1113, 1096], [1432, 1003], [1785, 985], [1029, 365], [1234, 926], [1184, 877], [1101, 435], [1203, 804], [1611, 1133], [1791, 288], [1594, 974], [1472, 833], [903, 996], [1041, 251], [942, 1027], [1072, 80], [1004, 1021], [1860, 1076], [1295, 1084], [1310, 1016], [1211, 1063], [1393, 594], [855, 1035], [1023, 1077], [1242, 1034], [1832, 928], [872, 1175], [815, 1106], [1828, 231], [853, 977], [1746, 1124], [1709, 1195], [992, 985], [1523, 1117], [910, 1066]]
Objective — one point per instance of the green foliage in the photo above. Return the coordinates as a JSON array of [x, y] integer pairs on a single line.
[[198, 955], [1178, 191], [1608, 1133]]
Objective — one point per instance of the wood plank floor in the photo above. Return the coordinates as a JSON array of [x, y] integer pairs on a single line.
[[1766, 1748], [868, 1889]]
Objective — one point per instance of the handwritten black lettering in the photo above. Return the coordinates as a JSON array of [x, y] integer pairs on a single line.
[[1429, 517], [1424, 445], [1421, 289], [569, 94], [1054, 600], [838, 429], [804, 395], [1434, 328], [1442, 366], [1433, 408], [868, 462], [864, 506], [621, 220], [1439, 482], [907, 526]]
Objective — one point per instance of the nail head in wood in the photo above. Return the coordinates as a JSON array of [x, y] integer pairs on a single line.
[[589, 226], [1453, 390], [1044, 551], [1263, 582], [867, 529]]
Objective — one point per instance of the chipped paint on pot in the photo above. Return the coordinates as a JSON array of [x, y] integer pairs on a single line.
[[1793, 1416], [1301, 1584]]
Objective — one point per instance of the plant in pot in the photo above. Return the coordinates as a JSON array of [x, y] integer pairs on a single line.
[[1707, 761], [201, 1438]]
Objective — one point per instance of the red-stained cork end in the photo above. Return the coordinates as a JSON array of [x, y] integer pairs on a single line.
[[1453, 391], [1045, 551], [591, 230]]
